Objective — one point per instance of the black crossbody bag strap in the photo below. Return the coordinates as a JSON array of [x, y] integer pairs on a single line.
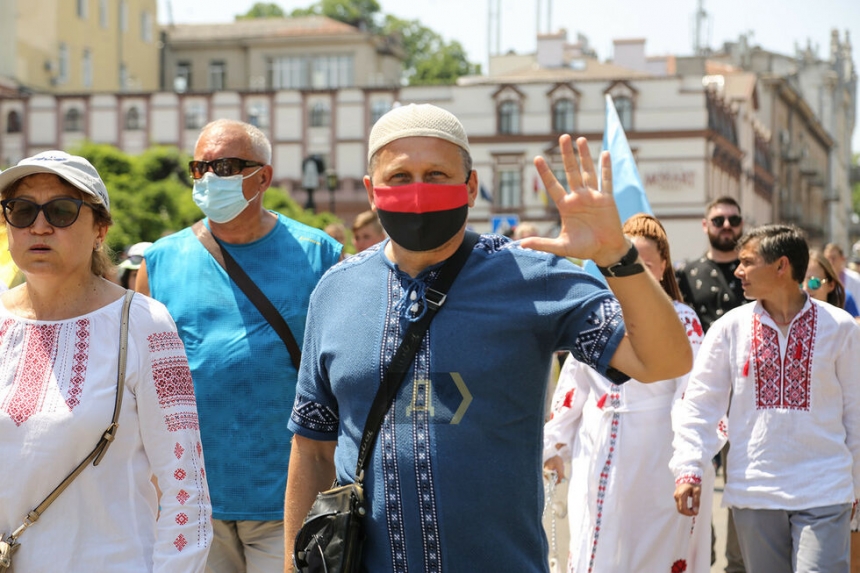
[[251, 290], [402, 360]]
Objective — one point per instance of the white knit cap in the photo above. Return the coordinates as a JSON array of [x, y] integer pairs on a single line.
[[416, 120], [74, 169]]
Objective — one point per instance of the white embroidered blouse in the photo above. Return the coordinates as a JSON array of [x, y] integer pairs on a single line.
[[794, 421], [57, 392]]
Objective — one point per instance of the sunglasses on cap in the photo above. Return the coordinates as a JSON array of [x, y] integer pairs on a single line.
[[224, 167], [814, 283], [720, 220], [60, 212]]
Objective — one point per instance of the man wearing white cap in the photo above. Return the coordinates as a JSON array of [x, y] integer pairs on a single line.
[[454, 484]]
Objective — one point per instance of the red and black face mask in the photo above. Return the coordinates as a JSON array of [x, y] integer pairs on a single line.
[[422, 216]]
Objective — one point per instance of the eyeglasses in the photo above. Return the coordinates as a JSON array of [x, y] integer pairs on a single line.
[[734, 220], [814, 283], [224, 167], [60, 212]]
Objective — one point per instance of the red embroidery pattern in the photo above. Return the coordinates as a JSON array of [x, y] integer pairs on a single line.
[[173, 381], [182, 421], [182, 497], [34, 372], [161, 341], [180, 542], [784, 382], [181, 519], [79, 366], [679, 566], [178, 450], [179, 474], [688, 478], [199, 449], [614, 401]]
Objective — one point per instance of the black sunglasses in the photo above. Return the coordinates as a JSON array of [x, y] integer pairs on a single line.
[[734, 220], [224, 167], [60, 212]]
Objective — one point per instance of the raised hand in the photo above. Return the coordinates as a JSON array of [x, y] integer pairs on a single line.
[[590, 225]]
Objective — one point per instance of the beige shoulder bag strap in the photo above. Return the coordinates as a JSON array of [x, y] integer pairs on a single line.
[[8, 545]]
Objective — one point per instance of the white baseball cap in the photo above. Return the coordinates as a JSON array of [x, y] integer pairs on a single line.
[[72, 168]]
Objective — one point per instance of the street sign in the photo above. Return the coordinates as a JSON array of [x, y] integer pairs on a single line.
[[502, 224]]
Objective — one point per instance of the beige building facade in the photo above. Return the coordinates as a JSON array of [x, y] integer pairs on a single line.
[[79, 46]]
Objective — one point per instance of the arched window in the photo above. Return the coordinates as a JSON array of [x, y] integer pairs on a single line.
[[563, 116], [132, 119], [73, 121], [509, 117], [624, 107], [13, 122], [319, 114]]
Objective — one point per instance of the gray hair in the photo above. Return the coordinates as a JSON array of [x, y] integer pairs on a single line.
[[261, 147]]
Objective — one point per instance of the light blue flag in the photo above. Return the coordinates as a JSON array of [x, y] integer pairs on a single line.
[[627, 188]]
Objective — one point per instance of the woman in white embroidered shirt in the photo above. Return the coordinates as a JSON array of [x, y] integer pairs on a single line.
[[59, 345], [619, 441]]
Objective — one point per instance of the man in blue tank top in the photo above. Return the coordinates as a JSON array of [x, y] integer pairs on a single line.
[[244, 378]]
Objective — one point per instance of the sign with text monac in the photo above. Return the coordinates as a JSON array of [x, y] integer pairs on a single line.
[[502, 224]]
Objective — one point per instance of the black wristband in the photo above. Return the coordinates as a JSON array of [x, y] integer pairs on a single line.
[[625, 267]]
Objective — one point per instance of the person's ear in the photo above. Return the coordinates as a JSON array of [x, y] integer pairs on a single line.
[[368, 186], [472, 183]]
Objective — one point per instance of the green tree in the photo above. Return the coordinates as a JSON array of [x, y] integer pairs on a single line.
[[262, 10], [150, 194]]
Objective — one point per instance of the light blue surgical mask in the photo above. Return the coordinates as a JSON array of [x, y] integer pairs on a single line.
[[221, 198]]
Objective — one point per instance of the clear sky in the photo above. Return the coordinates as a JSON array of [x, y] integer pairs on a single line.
[[668, 25]]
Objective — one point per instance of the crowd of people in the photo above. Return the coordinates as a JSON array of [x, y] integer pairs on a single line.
[[261, 343]]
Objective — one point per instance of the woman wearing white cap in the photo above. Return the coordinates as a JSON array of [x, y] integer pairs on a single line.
[[59, 373]]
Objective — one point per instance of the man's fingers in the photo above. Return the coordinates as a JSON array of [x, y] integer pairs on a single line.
[[589, 175], [554, 189], [571, 165], [606, 173]]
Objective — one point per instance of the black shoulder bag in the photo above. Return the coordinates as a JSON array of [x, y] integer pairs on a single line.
[[332, 536], [251, 290]]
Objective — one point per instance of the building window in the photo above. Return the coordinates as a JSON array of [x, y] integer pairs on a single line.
[[318, 72], [123, 77], [320, 116], [132, 119], [103, 13], [217, 75], [146, 27], [195, 116], [63, 65], [377, 109], [87, 68], [258, 114], [83, 9], [73, 121], [123, 16], [510, 190], [182, 79], [563, 116], [509, 117], [13, 122], [624, 107]]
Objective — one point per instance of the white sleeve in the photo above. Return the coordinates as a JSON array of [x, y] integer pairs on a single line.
[[566, 410], [847, 367], [170, 433], [706, 400]]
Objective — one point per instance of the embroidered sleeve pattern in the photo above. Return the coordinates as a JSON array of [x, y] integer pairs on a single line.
[[314, 416], [601, 324], [689, 478], [170, 430]]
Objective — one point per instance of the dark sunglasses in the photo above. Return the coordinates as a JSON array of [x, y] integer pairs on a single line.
[[734, 220], [60, 212], [224, 167], [814, 283]]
